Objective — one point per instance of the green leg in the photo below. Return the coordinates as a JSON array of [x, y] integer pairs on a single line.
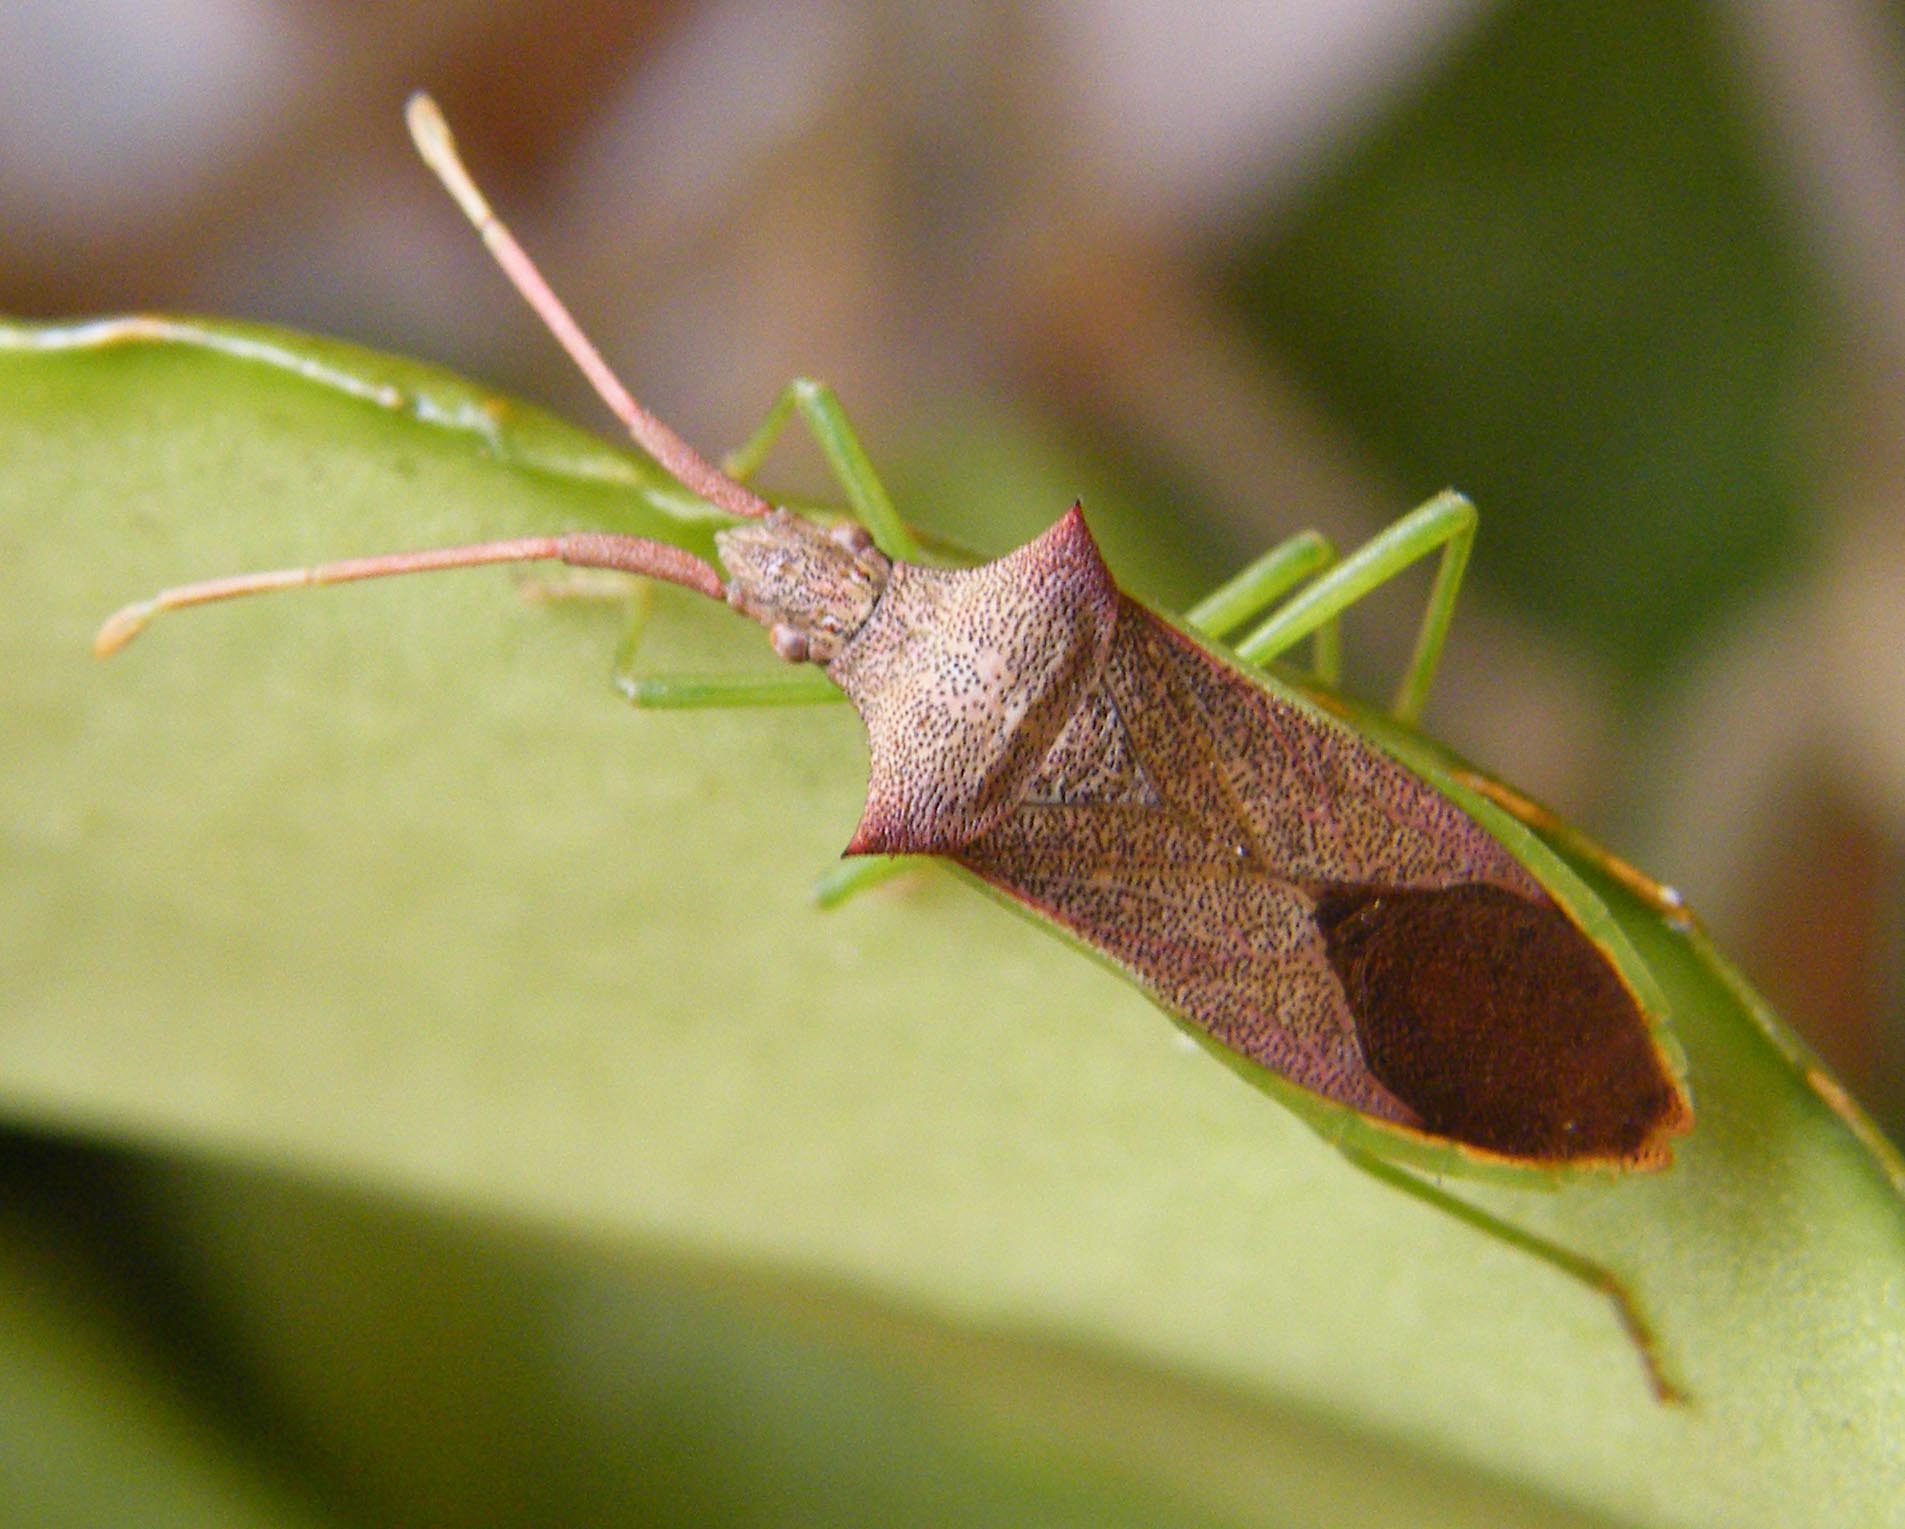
[[659, 692], [576, 586], [1250, 593], [1597, 1278], [1446, 522], [1668, 902], [795, 685], [858, 874], [847, 459]]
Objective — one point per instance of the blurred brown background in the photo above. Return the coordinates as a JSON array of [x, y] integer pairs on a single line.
[[1627, 273]]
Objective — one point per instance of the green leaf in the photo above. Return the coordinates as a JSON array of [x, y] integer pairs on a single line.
[[97, 1431], [386, 886]]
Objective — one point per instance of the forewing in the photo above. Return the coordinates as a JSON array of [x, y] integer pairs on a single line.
[[1303, 794], [1231, 948], [1141, 836], [1286, 887]]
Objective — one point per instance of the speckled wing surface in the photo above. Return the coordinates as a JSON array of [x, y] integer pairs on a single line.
[[1287, 887]]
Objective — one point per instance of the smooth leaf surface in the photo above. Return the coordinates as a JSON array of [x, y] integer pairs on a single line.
[[576, 1385], [98, 1431], [385, 884]]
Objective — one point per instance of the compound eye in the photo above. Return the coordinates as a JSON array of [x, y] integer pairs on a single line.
[[851, 535], [789, 642]]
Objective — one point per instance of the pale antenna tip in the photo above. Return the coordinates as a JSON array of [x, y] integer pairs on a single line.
[[121, 627], [427, 127], [434, 142]]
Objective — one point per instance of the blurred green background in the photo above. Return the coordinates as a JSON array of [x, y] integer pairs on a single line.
[[1625, 272]]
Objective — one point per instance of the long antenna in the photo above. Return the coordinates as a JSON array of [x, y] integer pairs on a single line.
[[580, 549], [431, 134], [584, 549]]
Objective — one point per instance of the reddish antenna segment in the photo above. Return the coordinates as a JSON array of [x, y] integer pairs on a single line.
[[581, 549], [431, 134]]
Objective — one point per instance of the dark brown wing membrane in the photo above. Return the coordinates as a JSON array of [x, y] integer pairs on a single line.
[[1499, 1022]]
